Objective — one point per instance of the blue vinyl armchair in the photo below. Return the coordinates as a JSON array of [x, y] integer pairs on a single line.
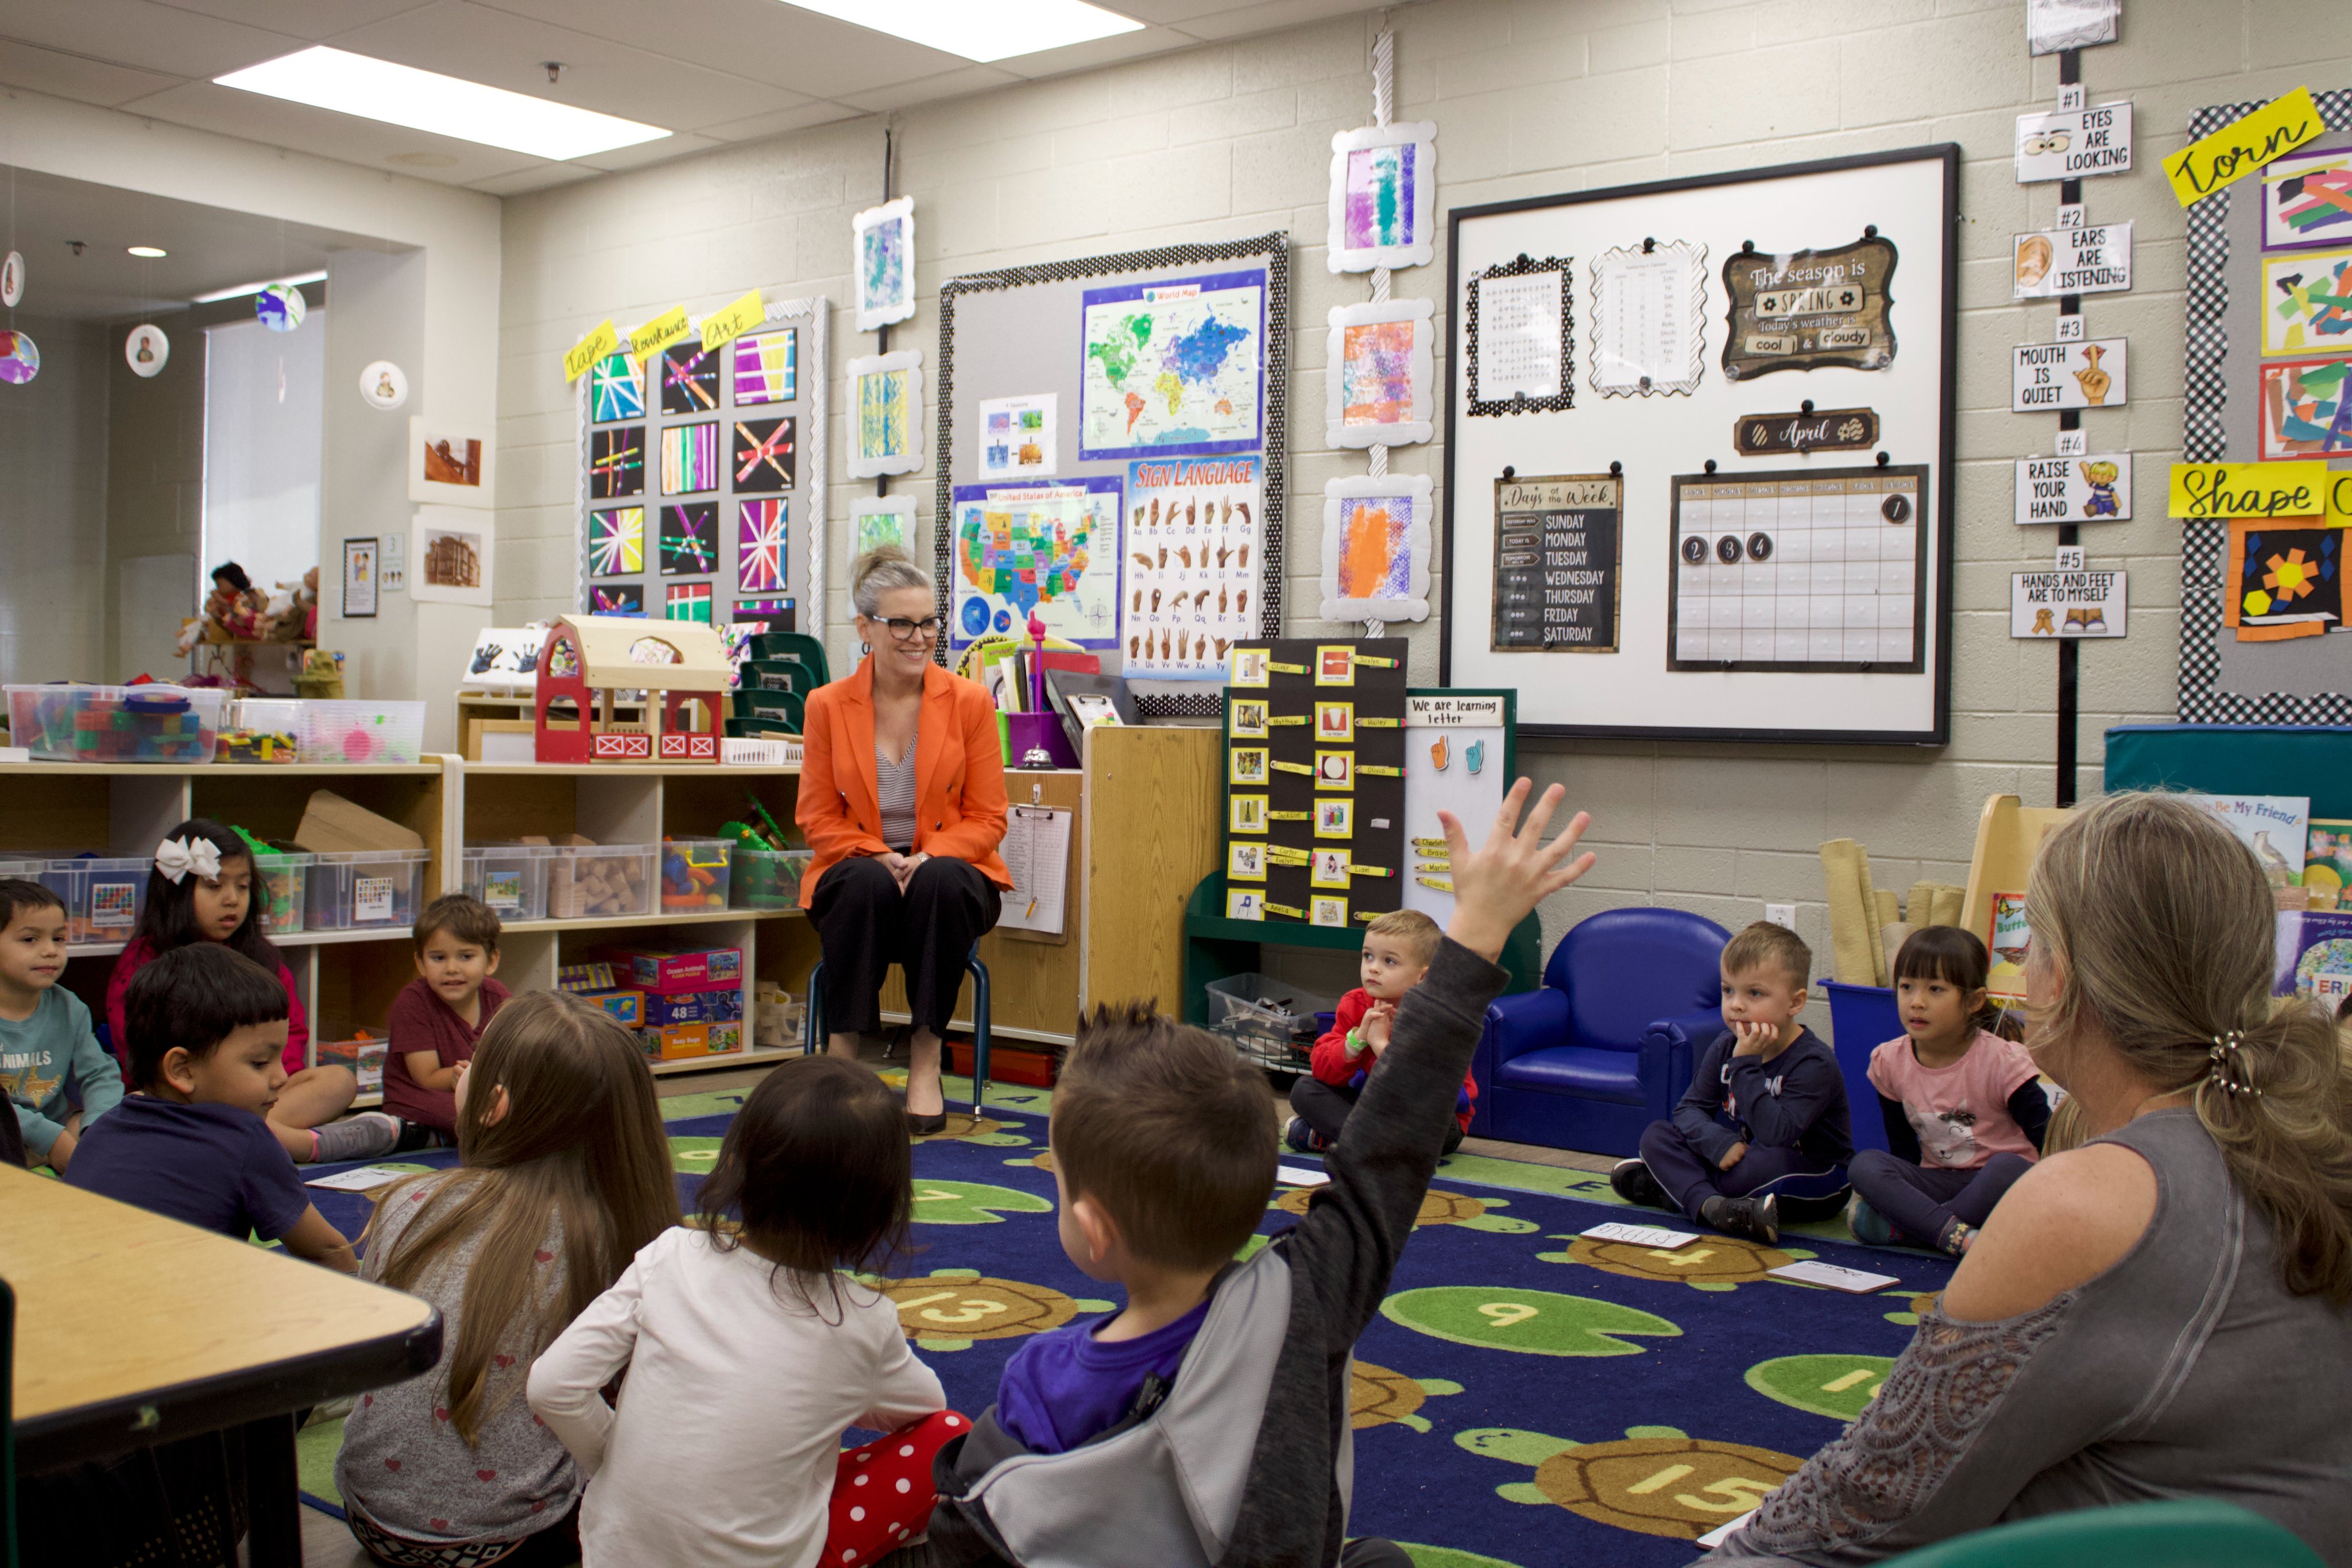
[[1605, 1047]]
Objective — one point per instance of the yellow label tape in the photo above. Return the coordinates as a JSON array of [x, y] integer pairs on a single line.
[[2245, 144], [1287, 719], [725, 325], [1274, 908], [1291, 815], [1285, 669], [589, 350], [2213, 490], [1376, 770], [1354, 870], [658, 333], [1370, 662], [1292, 768], [1363, 723], [1432, 882]]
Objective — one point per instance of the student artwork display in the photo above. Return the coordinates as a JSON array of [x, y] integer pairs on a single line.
[[453, 550], [383, 384], [20, 357], [453, 468], [280, 307], [885, 391], [702, 465], [1018, 436], [146, 350], [1050, 549], [1377, 535], [1315, 781], [884, 263], [1648, 319], [1378, 374], [1799, 589], [1522, 338], [1557, 579], [1807, 308], [1383, 197], [1173, 368], [1193, 526], [882, 520], [2263, 492]]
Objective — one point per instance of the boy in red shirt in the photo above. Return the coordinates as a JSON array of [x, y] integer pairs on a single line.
[[438, 1017], [1397, 950]]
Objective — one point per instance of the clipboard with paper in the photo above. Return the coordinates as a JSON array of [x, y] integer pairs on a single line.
[[1036, 852]]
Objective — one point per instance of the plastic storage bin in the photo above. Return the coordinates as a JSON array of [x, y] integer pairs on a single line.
[[352, 889], [694, 874], [262, 730], [117, 724], [103, 898], [281, 885], [362, 733], [602, 882], [1270, 1021], [365, 1056], [769, 879], [511, 878]]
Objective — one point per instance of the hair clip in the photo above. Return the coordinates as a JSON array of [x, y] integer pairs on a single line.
[[176, 858], [2228, 1072]]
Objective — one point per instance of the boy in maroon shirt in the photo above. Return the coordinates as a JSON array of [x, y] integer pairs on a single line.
[[438, 1017]]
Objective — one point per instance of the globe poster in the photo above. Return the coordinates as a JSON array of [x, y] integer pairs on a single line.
[[1053, 548], [1174, 368]]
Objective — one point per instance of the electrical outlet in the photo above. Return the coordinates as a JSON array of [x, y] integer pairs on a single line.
[[1782, 915]]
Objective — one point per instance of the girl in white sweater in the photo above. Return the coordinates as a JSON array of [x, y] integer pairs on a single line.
[[749, 1348]]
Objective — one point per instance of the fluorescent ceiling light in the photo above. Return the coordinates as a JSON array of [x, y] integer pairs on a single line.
[[151, 252], [428, 100], [980, 29], [244, 288]]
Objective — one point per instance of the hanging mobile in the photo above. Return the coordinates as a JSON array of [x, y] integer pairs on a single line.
[[12, 279]]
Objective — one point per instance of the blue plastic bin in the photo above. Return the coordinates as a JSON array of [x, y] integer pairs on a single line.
[[1862, 1019]]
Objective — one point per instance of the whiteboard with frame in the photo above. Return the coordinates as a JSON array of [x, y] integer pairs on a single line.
[[1820, 614]]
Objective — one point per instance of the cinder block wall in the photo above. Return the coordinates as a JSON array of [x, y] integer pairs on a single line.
[[1530, 97]]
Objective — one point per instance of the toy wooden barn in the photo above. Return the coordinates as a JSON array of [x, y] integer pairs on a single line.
[[680, 666]]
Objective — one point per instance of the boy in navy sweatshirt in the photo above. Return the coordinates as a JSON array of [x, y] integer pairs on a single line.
[[1764, 1129]]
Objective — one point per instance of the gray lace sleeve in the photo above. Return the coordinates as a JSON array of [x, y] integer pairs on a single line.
[[1920, 1448]]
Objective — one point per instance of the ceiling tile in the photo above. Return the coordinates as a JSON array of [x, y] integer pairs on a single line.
[[781, 122], [367, 142], [763, 40], [1163, 11], [646, 152], [315, 20], [71, 76], [538, 177], [1243, 20], [504, 50], [148, 36], [947, 84], [1097, 52]]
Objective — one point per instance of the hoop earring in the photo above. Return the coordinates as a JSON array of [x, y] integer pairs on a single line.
[[864, 648]]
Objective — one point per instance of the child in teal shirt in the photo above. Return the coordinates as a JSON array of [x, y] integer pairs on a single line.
[[46, 1045]]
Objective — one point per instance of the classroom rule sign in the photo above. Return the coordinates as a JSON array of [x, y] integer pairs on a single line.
[[2073, 489], [2058, 606], [2068, 375]]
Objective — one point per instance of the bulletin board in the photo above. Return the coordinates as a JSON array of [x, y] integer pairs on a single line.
[[1699, 454], [703, 477], [1315, 781], [1461, 755], [1113, 428], [2268, 378]]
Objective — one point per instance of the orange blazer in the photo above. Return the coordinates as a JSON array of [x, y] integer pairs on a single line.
[[959, 775]]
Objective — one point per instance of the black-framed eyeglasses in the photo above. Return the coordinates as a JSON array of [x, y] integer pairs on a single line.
[[907, 631]]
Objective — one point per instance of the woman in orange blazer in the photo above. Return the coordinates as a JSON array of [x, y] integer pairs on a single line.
[[902, 798]]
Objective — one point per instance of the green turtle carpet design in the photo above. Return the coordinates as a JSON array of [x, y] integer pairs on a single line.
[[1527, 1396]]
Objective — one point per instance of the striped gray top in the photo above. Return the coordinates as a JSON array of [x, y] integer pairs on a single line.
[[894, 788]]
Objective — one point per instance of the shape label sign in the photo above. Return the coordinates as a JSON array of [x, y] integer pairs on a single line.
[[2059, 605], [2074, 142], [2073, 489], [2095, 260], [2068, 375]]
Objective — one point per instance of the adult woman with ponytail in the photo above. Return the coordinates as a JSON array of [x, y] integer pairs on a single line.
[[902, 798], [2165, 1310]]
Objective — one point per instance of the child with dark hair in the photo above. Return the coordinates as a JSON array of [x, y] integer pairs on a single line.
[[753, 1331], [1764, 1129], [201, 891], [1964, 1109], [208, 1028], [1207, 1420], [438, 1017], [565, 1174], [57, 1077]]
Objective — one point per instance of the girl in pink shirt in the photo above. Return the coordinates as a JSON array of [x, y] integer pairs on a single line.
[[1964, 1109]]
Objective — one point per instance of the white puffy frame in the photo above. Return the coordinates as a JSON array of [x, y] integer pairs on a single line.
[[873, 313], [901, 507], [1419, 542], [910, 360], [1421, 133], [1409, 432]]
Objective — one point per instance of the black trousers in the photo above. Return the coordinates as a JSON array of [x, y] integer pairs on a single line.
[[1325, 1107], [865, 925], [1922, 1203]]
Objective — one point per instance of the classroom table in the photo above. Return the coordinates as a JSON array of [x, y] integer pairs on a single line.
[[133, 1329]]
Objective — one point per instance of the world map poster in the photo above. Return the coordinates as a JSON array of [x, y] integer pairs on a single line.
[[1174, 368], [1053, 548]]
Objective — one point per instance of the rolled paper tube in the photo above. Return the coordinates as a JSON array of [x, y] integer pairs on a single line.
[[1870, 920], [1919, 905], [1891, 937], [1888, 913], [1949, 901], [1849, 924]]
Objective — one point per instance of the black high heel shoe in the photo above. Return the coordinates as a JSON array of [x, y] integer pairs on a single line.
[[923, 1126]]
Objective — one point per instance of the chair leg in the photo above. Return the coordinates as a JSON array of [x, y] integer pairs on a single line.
[[978, 1031], [813, 1015]]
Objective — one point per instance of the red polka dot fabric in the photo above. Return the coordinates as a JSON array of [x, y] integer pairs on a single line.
[[882, 1494]]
